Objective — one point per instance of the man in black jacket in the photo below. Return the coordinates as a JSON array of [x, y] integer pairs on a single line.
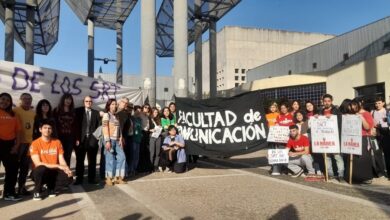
[[88, 120], [328, 110]]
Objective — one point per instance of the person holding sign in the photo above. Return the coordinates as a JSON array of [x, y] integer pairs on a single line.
[[328, 110], [283, 119], [299, 153], [362, 165]]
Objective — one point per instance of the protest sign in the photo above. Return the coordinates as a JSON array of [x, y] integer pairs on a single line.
[[278, 156], [278, 134], [325, 135], [222, 126], [351, 135]]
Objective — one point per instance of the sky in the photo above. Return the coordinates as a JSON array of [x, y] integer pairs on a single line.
[[320, 16]]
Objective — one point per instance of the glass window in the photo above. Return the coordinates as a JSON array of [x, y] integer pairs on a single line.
[[242, 70], [243, 78], [370, 92], [236, 70], [236, 78], [236, 84]]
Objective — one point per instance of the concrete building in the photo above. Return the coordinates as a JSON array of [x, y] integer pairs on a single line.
[[240, 49], [353, 64], [164, 89]]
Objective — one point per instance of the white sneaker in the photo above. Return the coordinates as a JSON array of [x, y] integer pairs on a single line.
[[275, 174], [160, 169]]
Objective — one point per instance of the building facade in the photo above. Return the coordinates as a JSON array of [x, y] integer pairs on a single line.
[[240, 49], [353, 64]]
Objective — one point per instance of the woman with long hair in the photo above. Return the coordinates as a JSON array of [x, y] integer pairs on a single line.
[[65, 119], [155, 137], [295, 106], [9, 141], [301, 122], [43, 111], [113, 142], [362, 164], [310, 109], [167, 119]]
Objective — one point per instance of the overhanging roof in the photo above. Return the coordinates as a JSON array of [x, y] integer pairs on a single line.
[[46, 23], [214, 9], [105, 13]]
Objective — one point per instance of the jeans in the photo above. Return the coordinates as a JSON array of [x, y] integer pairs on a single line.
[[154, 149], [115, 160], [339, 163], [296, 164], [134, 157]]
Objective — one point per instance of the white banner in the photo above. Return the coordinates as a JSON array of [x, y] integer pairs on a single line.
[[351, 135], [325, 135], [50, 84], [278, 156], [278, 134]]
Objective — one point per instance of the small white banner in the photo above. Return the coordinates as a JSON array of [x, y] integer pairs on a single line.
[[278, 134], [351, 135], [325, 135], [278, 156]]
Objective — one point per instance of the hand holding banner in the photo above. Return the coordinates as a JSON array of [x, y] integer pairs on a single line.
[[278, 156], [278, 134], [325, 134]]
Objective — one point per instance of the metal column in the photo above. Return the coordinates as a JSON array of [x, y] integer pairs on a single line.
[[119, 53], [91, 48], [148, 48], [30, 23], [180, 48], [213, 57], [9, 33], [198, 50]]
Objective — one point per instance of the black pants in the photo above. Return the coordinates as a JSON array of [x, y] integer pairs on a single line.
[[67, 144], [54, 178], [128, 149], [10, 162], [91, 151], [384, 144], [24, 164]]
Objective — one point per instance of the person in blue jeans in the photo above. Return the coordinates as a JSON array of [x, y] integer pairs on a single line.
[[113, 143]]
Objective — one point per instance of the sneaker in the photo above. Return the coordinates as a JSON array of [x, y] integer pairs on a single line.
[[160, 169], [297, 174], [37, 197], [169, 170], [275, 173], [333, 180], [12, 197], [367, 182], [51, 193]]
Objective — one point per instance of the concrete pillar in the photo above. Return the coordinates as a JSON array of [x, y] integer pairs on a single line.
[[9, 33], [180, 33], [148, 49], [119, 53], [198, 50], [91, 48], [30, 23], [213, 57]]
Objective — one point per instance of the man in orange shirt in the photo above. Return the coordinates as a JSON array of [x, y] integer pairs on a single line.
[[48, 159]]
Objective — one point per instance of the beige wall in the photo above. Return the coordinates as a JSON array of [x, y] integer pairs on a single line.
[[341, 83], [246, 48], [288, 80]]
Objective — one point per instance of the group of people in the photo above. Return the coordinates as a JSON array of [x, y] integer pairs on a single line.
[[132, 139], [375, 159]]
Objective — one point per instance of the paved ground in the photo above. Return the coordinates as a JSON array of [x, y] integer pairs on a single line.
[[235, 188]]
